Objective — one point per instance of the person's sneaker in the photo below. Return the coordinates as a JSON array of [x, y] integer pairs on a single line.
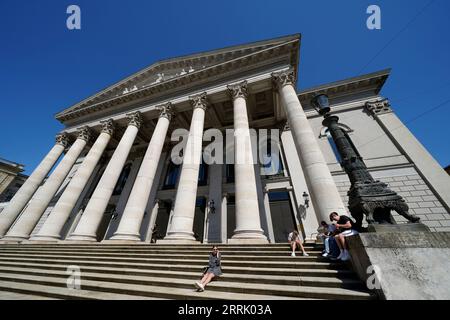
[[345, 256], [293, 254], [325, 255], [199, 286], [305, 254], [340, 255]]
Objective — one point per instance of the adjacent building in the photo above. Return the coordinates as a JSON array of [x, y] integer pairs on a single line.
[[11, 179]]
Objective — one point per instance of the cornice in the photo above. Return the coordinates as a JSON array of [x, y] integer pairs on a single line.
[[290, 48]]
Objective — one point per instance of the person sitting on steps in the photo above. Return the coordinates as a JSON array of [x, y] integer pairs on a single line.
[[344, 228], [294, 240], [213, 270]]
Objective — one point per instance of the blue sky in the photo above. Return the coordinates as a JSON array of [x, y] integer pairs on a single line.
[[44, 67]]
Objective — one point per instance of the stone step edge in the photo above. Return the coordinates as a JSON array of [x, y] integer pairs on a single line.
[[225, 262], [233, 269], [300, 292], [139, 291], [176, 256], [286, 280]]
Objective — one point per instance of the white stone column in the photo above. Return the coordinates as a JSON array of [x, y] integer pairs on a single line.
[[181, 228], [38, 204], [133, 214], [86, 229], [325, 195], [51, 229], [248, 224], [152, 222], [268, 217], [21, 198], [224, 218]]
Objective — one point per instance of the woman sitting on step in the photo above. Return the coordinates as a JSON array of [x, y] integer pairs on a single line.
[[294, 240], [213, 270]]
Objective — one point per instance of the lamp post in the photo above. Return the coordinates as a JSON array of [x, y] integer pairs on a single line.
[[367, 197], [306, 199], [212, 208]]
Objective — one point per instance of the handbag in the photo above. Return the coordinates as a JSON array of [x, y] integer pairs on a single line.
[[205, 269]]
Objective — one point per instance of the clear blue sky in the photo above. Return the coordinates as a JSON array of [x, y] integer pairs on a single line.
[[45, 68]]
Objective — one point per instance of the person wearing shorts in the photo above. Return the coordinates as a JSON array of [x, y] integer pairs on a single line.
[[344, 226], [294, 241]]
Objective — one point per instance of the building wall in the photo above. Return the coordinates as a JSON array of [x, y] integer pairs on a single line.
[[386, 162], [417, 194]]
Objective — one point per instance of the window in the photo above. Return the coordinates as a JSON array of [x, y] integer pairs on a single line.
[[230, 173], [122, 180], [173, 171], [95, 184], [203, 174], [278, 196]]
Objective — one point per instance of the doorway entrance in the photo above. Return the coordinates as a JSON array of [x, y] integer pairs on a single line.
[[199, 218], [162, 220], [283, 220], [108, 216]]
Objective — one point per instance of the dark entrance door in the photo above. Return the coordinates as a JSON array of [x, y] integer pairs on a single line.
[[162, 220], [283, 220], [199, 218]]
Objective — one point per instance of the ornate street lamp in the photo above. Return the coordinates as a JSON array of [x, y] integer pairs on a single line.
[[306, 199], [212, 208], [367, 197]]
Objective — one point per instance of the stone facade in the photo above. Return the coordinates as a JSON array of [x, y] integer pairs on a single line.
[[412, 187], [118, 181]]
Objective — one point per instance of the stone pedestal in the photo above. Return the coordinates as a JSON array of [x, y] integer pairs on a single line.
[[403, 265], [405, 227]]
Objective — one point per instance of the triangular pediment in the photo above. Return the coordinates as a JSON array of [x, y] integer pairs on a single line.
[[166, 70]]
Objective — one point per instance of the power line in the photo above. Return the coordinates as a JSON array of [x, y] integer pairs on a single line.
[[396, 35]]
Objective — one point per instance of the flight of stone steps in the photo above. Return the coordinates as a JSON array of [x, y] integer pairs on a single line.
[[152, 271]]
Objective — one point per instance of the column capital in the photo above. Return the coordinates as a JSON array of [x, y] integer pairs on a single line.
[[238, 90], [283, 78], [199, 101], [166, 111], [284, 126], [108, 126], [84, 133], [378, 107], [63, 139], [135, 119]]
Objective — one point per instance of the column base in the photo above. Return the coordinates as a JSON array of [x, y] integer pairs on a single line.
[[177, 241], [7, 241], [43, 238], [247, 241], [179, 237], [15, 238], [125, 237], [121, 241], [81, 237], [248, 237]]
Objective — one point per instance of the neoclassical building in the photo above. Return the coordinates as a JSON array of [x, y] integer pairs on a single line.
[[117, 180]]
